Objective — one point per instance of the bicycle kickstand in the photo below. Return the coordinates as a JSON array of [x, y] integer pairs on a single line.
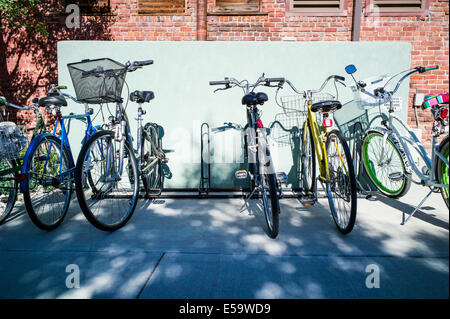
[[416, 209]]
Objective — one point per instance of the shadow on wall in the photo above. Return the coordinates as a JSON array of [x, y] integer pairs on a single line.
[[29, 34]]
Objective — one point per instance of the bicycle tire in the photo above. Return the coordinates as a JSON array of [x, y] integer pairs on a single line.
[[308, 182], [134, 183], [10, 190], [151, 179], [385, 185], [442, 169], [345, 177], [271, 202], [32, 209]]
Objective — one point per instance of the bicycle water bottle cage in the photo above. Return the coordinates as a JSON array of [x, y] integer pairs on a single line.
[[52, 99], [326, 106], [142, 96]]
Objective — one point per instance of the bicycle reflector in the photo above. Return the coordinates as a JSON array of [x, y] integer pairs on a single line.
[[21, 177], [241, 174], [327, 122], [259, 123], [444, 113]]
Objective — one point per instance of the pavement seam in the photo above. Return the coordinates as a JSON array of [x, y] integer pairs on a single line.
[[226, 254], [150, 276]]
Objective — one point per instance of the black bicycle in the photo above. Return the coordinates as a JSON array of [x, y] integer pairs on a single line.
[[261, 170]]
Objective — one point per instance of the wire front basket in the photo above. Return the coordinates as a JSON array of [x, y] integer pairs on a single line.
[[98, 81], [12, 140]]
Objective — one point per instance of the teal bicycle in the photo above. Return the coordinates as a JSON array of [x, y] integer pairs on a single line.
[[12, 143]]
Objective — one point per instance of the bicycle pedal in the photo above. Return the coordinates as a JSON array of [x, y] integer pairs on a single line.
[[396, 176], [153, 192], [282, 177], [308, 200], [241, 174]]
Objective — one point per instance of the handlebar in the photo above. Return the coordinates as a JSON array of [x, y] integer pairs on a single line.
[[219, 82], [142, 63], [382, 94], [244, 84], [335, 77], [421, 69], [275, 80]]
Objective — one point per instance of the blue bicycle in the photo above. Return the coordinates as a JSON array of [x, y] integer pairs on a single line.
[[48, 165]]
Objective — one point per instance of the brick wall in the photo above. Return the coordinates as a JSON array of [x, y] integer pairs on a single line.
[[429, 35]]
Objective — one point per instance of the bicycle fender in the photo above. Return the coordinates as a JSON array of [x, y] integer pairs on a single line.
[[391, 136], [27, 158]]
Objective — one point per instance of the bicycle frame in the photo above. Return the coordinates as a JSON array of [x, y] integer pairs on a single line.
[[319, 143], [319, 138], [90, 130], [417, 145]]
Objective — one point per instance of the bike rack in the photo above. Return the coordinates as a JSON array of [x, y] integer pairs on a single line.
[[205, 168]]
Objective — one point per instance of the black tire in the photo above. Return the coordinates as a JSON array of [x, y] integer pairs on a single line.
[[272, 211], [8, 189], [102, 139], [39, 208], [397, 156], [308, 161], [441, 169], [151, 178], [271, 203], [251, 166], [344, 185]]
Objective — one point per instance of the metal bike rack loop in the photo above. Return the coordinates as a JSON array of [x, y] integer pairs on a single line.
[[205, 168]]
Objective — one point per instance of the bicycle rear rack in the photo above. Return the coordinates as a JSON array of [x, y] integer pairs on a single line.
[[205, 168]]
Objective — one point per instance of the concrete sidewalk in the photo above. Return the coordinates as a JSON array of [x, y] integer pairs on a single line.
[[187, 248]]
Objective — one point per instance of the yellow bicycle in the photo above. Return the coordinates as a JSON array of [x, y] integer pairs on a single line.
[[336, 172]]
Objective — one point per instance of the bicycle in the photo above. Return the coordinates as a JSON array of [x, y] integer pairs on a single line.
[[108, 157], [11, 154], [332, 152], [48, 165], [261, 170], [386, 152]]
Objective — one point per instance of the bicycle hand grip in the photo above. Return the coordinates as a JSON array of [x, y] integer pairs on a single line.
[[275, 80], [142, 63], [219, 82], [432, 68], [338, 77], [2, 100], [61, 87]]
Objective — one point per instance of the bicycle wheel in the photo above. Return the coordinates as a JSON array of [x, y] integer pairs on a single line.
[[341, 188], [8, 188], [442, 169], [308, 161], [150, 163], [269, 188], [47, 192], [382, 163], [114, 200]]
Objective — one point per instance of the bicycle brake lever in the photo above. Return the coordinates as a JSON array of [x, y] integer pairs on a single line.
[[340, 82], [227, 86]]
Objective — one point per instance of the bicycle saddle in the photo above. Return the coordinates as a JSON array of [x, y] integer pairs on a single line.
[[326, 106], [52, 99], [142, 96], [253, 98]]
